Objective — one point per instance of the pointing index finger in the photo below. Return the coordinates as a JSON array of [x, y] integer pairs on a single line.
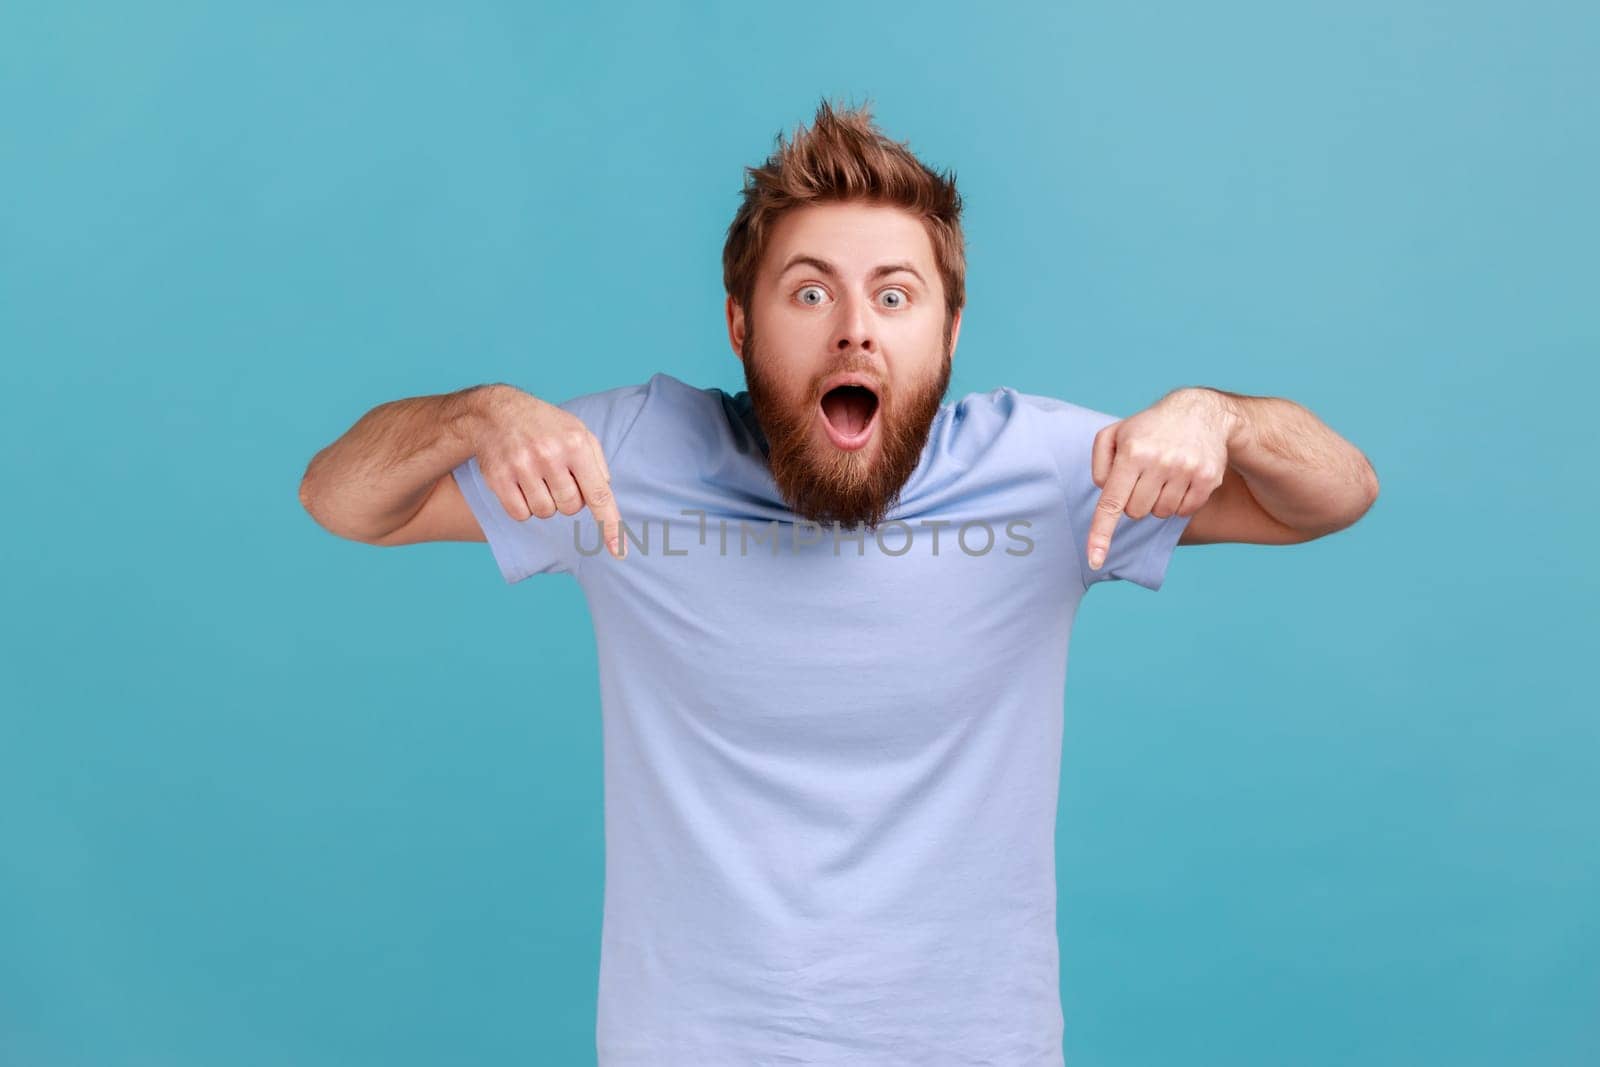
[[594, 479], [1108, 509]]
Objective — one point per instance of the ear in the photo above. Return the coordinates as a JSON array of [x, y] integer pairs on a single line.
[[735, 315], [955, 332]]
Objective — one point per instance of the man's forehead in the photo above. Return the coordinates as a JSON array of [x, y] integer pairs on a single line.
[[853, 237]]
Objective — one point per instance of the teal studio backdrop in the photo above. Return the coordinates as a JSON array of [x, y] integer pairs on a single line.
[[268, 797]]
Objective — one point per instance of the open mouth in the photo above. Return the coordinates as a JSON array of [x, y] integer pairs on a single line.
[[849, 413]]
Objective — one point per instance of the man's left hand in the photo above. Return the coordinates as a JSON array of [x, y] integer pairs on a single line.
[[1167, 459]]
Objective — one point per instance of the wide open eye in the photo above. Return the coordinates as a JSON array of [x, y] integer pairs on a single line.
[[900, 298], [810, 289]]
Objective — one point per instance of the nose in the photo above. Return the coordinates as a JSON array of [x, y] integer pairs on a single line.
[[855, 329]]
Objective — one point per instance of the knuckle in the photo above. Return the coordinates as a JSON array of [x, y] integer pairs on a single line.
[[507, 493]]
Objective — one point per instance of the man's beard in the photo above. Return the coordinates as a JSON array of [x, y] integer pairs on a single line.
[[822, 482]]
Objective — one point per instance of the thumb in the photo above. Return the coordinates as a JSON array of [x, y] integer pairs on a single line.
[[1105, 446]]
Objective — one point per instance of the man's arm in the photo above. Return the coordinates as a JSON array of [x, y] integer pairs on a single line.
[[1289, 477], [388, 479], [392, 465], [1258, 470]]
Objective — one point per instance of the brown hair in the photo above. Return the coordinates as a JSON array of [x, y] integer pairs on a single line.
[[844, 156]]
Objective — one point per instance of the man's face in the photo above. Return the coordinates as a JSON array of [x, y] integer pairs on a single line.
[[846, 291]]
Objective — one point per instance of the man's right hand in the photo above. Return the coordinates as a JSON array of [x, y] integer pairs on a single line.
[[540, 459]]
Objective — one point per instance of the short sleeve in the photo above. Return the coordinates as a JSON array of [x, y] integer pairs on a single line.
[[547, 546], [1140, 548]]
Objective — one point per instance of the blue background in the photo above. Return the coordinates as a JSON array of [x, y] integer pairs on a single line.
[[269, 797]]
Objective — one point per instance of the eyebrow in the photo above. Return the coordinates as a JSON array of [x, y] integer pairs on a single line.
[[827, 268]]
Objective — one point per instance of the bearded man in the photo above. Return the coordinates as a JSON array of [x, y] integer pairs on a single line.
[[832, 613]]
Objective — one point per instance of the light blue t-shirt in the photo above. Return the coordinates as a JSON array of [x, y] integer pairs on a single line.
[[831, 757]]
